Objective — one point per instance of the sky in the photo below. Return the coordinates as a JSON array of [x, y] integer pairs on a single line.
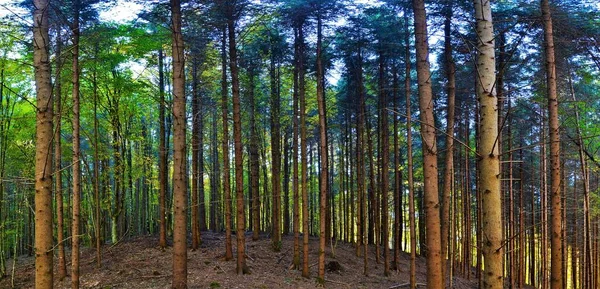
[[123, 11]]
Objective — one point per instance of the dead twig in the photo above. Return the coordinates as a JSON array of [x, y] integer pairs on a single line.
[[406, 285], [336, 282]]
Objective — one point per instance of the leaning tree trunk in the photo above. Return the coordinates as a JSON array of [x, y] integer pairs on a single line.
[[489, 163], [179, 153], [43, 165], [556, 259], [430, 174]]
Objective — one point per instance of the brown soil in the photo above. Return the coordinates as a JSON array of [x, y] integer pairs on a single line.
[[139, 263]]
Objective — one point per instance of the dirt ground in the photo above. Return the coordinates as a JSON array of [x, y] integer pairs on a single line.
[[139, 263]]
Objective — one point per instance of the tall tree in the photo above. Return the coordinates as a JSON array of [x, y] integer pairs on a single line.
[[232, 14], [556, 258], [489, 162], [58, 193], [409, 158], [162, 154], [179, 152], [76, 150], [449, 161], [428, 135], [275, 142], [43, 165], [225, 145], [324, 180]]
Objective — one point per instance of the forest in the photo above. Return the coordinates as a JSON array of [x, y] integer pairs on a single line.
[[300, 144]]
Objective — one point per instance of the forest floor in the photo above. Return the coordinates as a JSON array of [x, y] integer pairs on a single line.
[[139, 263]]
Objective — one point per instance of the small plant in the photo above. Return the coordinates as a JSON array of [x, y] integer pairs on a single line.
[[215, 285]]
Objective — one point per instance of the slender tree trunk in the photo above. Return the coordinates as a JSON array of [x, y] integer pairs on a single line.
[[196, 177], [295, 187], [225, 148], [555, 176], [431, 201], [488, 150], [275, 156], [43, 166], [62, 267], [97, 170], [237, 140], [76, 152], [254, 162], [398, 212], [324, 180], [384, 149], [179, 152], [409, 159], [162, 154], [303, 152], [449, 157]]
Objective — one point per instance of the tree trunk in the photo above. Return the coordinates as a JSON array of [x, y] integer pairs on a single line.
[[196, 177], [254, 162], [237, 140], [324, 180], [162, 154], [295, 187], [385, 152], [179, 152], [96, 170], [449, 157], [225, 148], [409, 159], [275, 156], [76, 153], [431, 201], [555, 176], [43, 165], [62, 267], [303, 152], [489, 163]]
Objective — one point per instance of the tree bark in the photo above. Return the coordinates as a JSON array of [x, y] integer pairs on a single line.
[[489, 163], [162, 154], [428, 135], [324, 180], [409, 159], [556, 277], [275, 154], [62, 267], [449, 156], [237, 141], [43, 166], [225, 147], [179, 152], [76, 152], [295, 135]]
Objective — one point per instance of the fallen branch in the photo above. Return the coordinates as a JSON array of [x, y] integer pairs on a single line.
[[336, 282], [154, 276], [282, 256], [406, 285]]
